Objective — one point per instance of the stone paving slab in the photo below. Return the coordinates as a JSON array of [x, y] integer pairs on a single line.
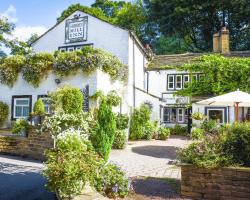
[[150, 158]]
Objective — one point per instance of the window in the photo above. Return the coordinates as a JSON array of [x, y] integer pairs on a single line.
[[175, 115], [71, 49], [178, 82], [216, 114], [185, 80], [171, 82], [194, 77], [180, 114], [62, 49], [166, 115], [201, 77], [21, 106]]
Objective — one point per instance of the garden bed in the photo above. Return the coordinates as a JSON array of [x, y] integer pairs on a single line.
[[222, 183]]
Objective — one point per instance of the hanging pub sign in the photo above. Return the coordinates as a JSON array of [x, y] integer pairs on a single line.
[[76, 29]]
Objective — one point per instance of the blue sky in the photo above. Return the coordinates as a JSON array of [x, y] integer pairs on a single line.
[[35, 16]]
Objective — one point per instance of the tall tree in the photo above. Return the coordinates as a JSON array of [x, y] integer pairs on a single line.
[[196, 21], [5, 29]]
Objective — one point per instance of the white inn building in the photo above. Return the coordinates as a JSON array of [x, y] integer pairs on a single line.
[[147, 82]]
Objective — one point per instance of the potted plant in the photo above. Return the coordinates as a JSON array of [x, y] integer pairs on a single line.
[[20, 127], [38, 112]]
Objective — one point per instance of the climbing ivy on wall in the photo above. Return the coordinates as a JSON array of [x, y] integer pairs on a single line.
[[222, 74], [35, 67]]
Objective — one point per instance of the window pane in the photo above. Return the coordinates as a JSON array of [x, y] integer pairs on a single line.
[[216, 115], [180, 115], [22, 102], [178, 82], [173, 115], [171, 82], [25, 111], [166, 116], [18, 111]]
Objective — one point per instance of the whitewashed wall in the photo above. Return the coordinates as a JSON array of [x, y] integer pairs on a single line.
[[96, 81], [102, 34]]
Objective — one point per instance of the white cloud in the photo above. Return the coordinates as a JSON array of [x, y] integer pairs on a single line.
[[23, 33], [10, 14]]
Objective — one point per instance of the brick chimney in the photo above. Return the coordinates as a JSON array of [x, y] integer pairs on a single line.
[[221, 41]]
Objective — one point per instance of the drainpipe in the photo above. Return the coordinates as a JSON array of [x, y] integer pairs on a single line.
[[133, 73]]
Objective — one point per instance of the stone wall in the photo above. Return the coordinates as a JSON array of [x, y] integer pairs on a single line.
[[224, 183], [32, 146]]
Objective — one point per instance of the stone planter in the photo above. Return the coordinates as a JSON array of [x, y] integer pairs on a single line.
[[88, 194], [223, 183]]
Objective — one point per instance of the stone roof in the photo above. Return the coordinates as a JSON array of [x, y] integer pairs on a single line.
[[163, 62]]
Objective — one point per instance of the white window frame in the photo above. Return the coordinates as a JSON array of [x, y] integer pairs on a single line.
[[194, 75], [63, 49], [14, 107], [182, 115], [168, 114], [176, 82], [184, 81], [70, 49], [220, 109], [173, 76]]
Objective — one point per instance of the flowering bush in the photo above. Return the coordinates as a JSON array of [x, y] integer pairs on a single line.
[[112, 182], [68, 63], [37, 67], [4, 110], [9, 69], [71, 164], [58, 123]]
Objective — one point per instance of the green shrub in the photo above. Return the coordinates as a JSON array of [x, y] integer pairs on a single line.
[[207, 154], [71, 164], [67, 99], [140, 123], [149, 131], [120, 139], [179, 130], [20, 126], [163, 133], [121, 121], [39, 108], [112, 182], [4, 110], [197, 134], [209, 126], [103, 135], [237, 143]]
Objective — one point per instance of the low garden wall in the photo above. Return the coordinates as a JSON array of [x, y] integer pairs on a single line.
[[224, 183], [32, 146]]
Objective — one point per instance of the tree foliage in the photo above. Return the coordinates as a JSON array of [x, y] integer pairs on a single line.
[[197, 21], [222, 74]]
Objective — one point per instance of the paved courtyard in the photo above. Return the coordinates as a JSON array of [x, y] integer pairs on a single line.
[[150, 158], [21, 179]]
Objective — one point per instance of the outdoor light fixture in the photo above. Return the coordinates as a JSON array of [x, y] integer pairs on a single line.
[[58, 81]]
